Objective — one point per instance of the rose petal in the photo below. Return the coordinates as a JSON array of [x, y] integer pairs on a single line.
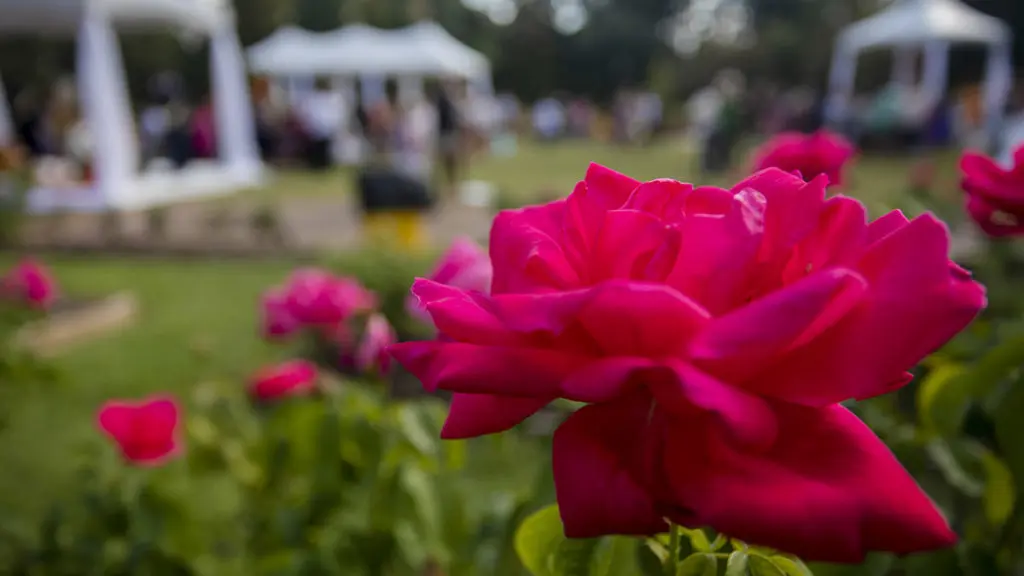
[[744, 341], [600, 457], [456, 367], [827, 490], [628, 241], [608, 188], [746, 418], [716, 252], [472, 415], [526, 251], [915, 304]]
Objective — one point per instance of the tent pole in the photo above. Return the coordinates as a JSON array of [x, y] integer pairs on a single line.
[[842, 76], [998, 80], [236, 129], [104, 96], [7, 132]]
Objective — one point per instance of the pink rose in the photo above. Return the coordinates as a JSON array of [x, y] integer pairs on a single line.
[[146, 432], [372, 351], [30, 282], [292, 378], [278, 320], [316, 297], [465, 265], [809, 154], [995, 195], [713, 333]]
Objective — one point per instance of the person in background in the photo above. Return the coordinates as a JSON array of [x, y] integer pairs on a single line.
[[549, 119], [321, 115], [728, 124], [703, 109], [203, 129], [179, 137], [28, 121], [448, 135], [154, 123]]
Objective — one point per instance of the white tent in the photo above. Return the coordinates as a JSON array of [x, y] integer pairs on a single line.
[[931, 26], [104, 97], [422, 49]]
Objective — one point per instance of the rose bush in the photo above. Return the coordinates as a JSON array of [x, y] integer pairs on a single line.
[[713, 334], [995, 194], [812, 155]]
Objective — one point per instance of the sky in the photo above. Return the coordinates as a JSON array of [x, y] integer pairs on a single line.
[[702, 21]]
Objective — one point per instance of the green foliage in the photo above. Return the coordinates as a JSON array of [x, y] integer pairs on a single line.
[[545, 551], [346, 483], [12, 206], [19, 368], [390, 274]]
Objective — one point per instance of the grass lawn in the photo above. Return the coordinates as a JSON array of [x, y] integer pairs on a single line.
[[546, 169], [212, 306]]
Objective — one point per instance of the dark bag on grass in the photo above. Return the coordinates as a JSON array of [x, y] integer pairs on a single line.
[[384, 189]]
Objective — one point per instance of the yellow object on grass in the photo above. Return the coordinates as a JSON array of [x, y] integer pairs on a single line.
[[404, 230]]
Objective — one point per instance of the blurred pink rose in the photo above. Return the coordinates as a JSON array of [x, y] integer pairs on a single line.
[[316, 297], [146, 432], [995, 195], [809, 154], [372, 351], [292, 378], [713, 333], [31, 283], [278, 321], [465, 265]]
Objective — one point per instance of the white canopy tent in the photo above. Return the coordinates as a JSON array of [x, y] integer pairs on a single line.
[[410, 53], [103, 92], [929, 26]]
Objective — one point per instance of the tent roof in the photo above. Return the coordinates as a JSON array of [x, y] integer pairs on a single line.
[[913, 22], [63, 16], [424, 48]]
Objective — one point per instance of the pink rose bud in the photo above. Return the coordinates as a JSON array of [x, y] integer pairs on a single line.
[[278, 321], [995, 195], [31, 283], [146, 432], [292, 378], [465, 265], [372, 351], [811, 155]]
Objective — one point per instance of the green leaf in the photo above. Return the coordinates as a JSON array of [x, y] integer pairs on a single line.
[[698, 565], [1009, 424], [873, 565], [942, 399], [791, 566], [537, 540], [951, 458], [698, 539], [617, 556], [737, 564], [943, 563], [719, 541], [418, 485], [1000, 492], [574, 557], [651, 556], [764, 566], [415, 431]]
